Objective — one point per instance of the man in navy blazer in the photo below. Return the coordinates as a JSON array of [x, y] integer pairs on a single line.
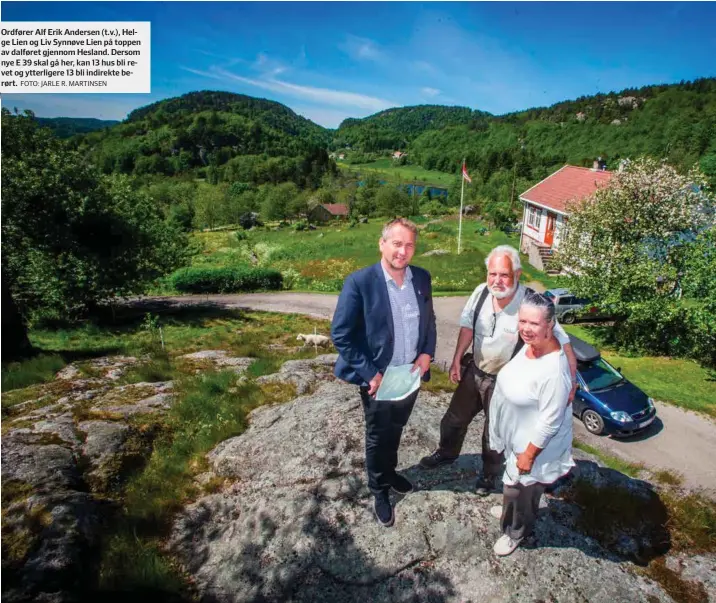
[[385, 317]]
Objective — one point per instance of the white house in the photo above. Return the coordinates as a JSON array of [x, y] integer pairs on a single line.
[[545, 213]]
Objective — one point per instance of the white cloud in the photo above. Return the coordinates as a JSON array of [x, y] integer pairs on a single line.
[[429, 91], [339, 98], [424, 66], [362, 49]]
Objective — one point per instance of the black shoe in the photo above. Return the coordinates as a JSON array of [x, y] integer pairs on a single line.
[[401, 485], [383, 510], [485, 486], [434, 460]]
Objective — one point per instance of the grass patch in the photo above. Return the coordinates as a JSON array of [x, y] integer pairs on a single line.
[[613, 462], [439, 381], [692, 521], [159, 368], [668, 478], [677, 381], [400, 174], [39, 369], [133, 564], [264, 366]]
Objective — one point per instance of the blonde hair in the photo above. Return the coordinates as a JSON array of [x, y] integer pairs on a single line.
[[405, 223]]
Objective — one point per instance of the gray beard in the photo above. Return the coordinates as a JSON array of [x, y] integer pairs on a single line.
[[503, 294]]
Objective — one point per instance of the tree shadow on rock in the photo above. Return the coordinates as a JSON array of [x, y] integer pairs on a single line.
[[625, 515], [303, 549], [623, 518]]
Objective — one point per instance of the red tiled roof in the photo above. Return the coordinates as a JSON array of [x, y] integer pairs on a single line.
[[337, 209], [569, 183]]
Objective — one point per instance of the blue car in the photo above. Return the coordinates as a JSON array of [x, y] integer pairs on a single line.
[[606, 402]]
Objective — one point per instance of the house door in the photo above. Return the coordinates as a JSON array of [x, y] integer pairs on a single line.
[[549, 234]]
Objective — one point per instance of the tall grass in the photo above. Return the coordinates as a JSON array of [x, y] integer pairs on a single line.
[[40, 369], [208, 409]]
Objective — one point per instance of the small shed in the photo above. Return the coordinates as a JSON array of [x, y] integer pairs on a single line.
[[325, 212]]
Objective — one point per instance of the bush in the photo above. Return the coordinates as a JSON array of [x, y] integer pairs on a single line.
[[249, 220], [225, 280]]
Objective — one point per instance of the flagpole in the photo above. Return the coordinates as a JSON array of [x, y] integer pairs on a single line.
[[462, 194]]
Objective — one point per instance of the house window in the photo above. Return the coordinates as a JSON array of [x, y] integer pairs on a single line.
[[534, 215]]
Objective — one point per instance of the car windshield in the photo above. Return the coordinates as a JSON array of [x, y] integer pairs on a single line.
[[599, 374], [548, 294]]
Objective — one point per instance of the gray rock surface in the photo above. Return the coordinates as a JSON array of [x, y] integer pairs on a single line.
[[698, 568], [303, 374], [436, 252], [58, 467], [297, 523], [221, 359]]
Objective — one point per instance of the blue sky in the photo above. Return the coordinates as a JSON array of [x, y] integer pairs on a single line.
[[328, 61]]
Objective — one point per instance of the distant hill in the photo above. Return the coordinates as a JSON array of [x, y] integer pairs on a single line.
[[65, 127], [205, 129], [233, 137], [674, 122], [395, 128]]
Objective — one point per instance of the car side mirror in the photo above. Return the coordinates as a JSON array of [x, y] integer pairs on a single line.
[[619, 369]]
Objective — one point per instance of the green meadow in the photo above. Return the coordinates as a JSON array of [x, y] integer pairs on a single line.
[[319, 260], [390, 172]]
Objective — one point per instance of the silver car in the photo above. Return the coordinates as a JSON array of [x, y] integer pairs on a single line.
[[568, 307]]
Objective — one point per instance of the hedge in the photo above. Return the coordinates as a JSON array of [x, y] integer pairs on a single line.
[[225, 280]]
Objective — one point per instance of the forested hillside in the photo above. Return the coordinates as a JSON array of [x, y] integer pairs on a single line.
[[65, 127], [675, 122], [395, 128], [225, 136]]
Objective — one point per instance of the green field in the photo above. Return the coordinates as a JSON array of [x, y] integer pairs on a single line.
[[390, 172], [319, 260]]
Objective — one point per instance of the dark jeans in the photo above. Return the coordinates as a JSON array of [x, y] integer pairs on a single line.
[[519, 509], [384, 422], [472, 395]]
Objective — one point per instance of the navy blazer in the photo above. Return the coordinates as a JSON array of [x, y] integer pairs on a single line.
[[362, 327]]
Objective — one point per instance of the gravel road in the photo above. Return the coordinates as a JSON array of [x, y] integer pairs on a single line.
[[679, 440]]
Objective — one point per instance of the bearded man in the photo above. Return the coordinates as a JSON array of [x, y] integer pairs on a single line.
[[488, 323]]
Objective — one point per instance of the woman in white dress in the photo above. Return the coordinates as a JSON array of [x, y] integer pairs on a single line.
[[531, 422]]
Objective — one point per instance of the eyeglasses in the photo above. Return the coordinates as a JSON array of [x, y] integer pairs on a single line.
[[494, 324]]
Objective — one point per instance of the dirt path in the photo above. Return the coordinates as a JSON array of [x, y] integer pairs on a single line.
[[679, 440]]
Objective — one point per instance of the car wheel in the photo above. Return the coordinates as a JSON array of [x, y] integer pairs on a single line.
[[568, 318], [593, 422]]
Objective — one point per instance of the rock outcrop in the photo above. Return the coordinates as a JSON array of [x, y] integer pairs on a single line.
[[294, 520], [65, 453], [296, 523]]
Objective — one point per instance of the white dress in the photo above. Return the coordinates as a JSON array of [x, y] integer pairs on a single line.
[[529, 405]]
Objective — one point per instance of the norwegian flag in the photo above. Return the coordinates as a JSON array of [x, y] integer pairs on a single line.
[[464, 173]]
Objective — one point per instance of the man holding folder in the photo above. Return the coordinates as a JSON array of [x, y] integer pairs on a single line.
[[384, 318]]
